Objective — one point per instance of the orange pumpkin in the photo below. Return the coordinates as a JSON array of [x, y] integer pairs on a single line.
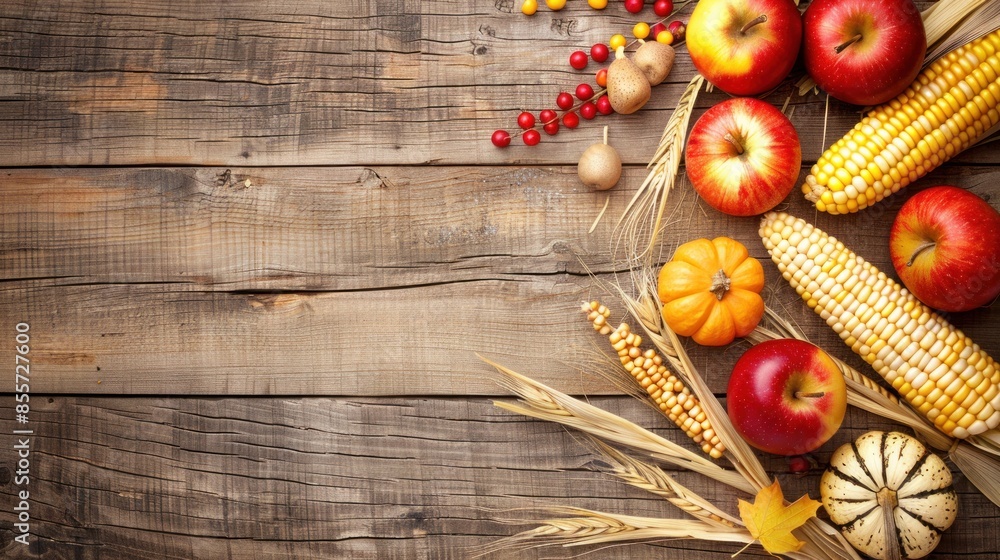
[[710, 291]]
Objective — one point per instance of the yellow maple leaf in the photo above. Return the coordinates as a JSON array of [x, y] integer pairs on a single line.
[[771, 522]]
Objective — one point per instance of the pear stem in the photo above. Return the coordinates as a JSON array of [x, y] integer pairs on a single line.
[[605, 135], [756, 21], [736, 143], [840, 48], [801, 395], [920, 249]]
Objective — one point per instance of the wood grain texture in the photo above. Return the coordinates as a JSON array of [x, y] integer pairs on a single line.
[[312, 82], [115, 478], [348, 281]]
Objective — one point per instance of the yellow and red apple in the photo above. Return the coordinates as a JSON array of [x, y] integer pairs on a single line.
[[863, 52], [743, 156], [744, 47], [945, 247], [786, 397]]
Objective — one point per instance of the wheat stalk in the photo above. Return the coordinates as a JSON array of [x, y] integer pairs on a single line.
[[653, 480], [644, 212], [544, 403]]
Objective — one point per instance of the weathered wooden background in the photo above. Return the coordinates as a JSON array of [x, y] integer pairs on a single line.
[[259, 244]]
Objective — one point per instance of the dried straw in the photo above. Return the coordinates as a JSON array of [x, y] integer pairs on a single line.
[[653, 480], [644, 213], [543, 402]]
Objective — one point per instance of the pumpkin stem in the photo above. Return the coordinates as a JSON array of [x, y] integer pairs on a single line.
[[888, 502], [720, 284]]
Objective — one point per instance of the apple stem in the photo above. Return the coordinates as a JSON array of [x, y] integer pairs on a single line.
[[840, 48], [920, 249], [736, 143], [758, 20], [801, 395], [720, 284]]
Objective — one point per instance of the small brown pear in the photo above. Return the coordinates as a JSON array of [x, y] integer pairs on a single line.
[[628, 88], [600, 166], [655, 59]]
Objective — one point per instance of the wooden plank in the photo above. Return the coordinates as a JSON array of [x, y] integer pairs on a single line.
[[115, 478], [317, 83], [320, 281]]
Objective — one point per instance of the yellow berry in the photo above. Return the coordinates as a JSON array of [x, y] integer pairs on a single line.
[[598, 4], [529, 7], [665, 37], [555, 5], [641, 30], [617, 40]]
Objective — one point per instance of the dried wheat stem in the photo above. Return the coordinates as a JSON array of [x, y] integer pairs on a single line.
[[545, 403], [581, 527], [653, 480]]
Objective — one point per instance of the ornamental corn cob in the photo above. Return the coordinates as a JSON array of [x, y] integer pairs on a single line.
[[950, 105], [936, 368], [674, 400]]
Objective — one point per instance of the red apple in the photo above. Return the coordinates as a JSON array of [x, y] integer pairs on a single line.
[[863, 52], [786, 397], [945, 247], [744, 47], [743, 156]]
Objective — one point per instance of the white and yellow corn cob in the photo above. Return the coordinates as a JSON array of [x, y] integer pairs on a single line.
[[669, 394], [935, 367], [950, 105]]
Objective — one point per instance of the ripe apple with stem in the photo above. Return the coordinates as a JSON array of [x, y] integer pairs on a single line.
[[786, 397], [863, 52], [945, 247], [744, 47], [743, 156]]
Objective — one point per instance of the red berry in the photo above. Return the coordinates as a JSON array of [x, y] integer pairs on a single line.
[[677, 28], [602, 77], [552, 128], [570, 120], [663, 8], [655, 31], [500, 139], [634, 6], [799, 465], [547, 116], [531, 137], [604, 105], [526, 120], [588, 110], [578, 60], [584, 92], [599, 52], [564, 101]]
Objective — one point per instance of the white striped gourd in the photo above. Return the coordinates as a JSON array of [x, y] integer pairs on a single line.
[[890, 496]]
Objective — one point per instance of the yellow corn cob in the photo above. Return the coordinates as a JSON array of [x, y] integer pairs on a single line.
[[950, 105], [935, 367], [674, 400]]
